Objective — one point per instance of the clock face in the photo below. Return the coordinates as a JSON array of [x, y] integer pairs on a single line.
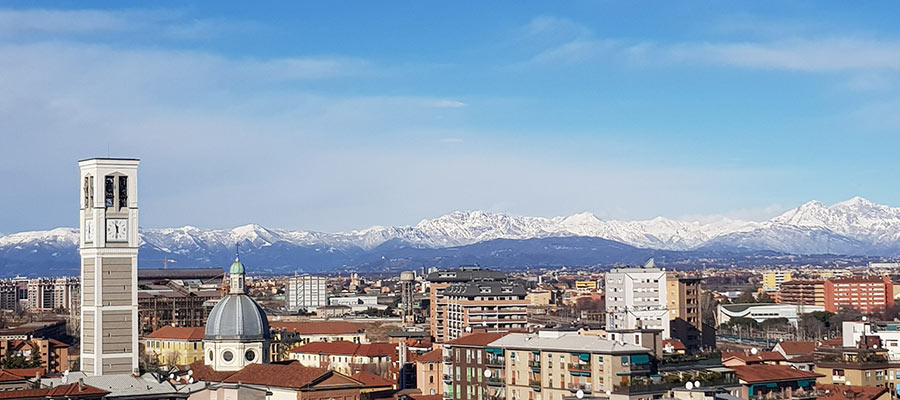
[[89, 230], [117, 230]]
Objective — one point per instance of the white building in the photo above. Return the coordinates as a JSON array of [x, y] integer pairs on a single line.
[[888, 332], [636, 298], [305, 292], [763, 311]]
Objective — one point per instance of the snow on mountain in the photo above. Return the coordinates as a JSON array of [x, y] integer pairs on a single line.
[[855, 226]]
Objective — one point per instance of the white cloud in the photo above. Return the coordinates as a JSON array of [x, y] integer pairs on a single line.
[[445, 103]]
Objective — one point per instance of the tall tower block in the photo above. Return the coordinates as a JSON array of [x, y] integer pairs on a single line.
[[109, 249]]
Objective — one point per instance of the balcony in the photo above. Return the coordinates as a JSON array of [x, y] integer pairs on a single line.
[[495, 361], [495, 381], [580, 367], [584, 387], [535, 364], [448, 360], [535, 383], [448, 378]]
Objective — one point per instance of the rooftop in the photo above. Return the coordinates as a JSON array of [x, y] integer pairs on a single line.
[[565, 341], [179, 333], [771, 373], [478, 339], [316, 327]]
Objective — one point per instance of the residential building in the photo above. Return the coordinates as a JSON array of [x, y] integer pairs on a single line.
[[843, 392], [539, 298], [305, 292], [772, 280], [799, 354], [853, 366], [51, 293], [346, 357], [763, 311], [318, 331], [485, 305], [802, 292], [472, 370], [683, 301], [53, 329], [52, 354], [866, 294], [77, 390], [428, 373], [776, 382], [674, 346], [738, 358], [650, 339], [552, 365], [636, 298], [439, 281], [272, 381], [175, 345], [586, 285], [117, 387], [856, 333]]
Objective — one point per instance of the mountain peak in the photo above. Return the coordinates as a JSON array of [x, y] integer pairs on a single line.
[[856, 201]]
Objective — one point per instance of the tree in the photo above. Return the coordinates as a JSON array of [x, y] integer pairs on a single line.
[[746, 297], [742, 321], [845, 314], [773, 323], [812, 325], [588, 303], [764, 298]]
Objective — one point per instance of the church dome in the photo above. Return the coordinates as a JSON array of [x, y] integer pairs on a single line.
[[237, 317], [236, 267]]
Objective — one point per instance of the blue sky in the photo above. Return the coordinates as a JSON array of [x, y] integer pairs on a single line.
[[340, 115]]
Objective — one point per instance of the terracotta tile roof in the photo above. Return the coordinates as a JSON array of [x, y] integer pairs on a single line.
[[478, 339], [71, 390], [181, 333], [348, 348], [57, 343], [793, 347], [751, 358], [28, 373], [771, 373], [316, 327], [371, 380], [205, 373], [10, 377], [675, 343], [431, 356], [841, 392], [293, 375]]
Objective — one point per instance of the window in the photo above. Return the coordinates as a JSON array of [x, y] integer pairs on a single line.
[[250, 355], [109, 190], [123, 191], [227, 356]]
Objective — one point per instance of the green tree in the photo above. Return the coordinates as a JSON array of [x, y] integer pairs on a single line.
[[764, 298], [743, 321], [746, 297], [772, 323]]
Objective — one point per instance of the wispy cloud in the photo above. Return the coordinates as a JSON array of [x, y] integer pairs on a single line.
[[446, 103]]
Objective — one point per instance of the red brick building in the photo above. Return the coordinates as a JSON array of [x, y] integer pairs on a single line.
[[52, 354], [866, 294]]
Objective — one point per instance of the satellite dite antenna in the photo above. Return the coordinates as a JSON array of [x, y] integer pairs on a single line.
[[579, 394], [487, 373], [689, 385]]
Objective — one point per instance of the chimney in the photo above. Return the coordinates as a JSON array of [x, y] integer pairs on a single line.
[[80, 384]]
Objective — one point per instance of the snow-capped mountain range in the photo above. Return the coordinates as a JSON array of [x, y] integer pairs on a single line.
[[853, 227]]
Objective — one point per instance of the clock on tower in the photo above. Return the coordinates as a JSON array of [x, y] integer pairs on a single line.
[[109, 249]]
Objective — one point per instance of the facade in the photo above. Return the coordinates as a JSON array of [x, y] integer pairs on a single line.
[[175, 345], [428, 373], [273, 382], [346, 357], [776, 382], [237, 332], [853, 366], [488, 305], [53, 354], [472, 370], [305, 292], [771, 281], [174, 304], [554, 365], [109, 247], [802, 292], [439, 281], [763, 311], [52, 293], [683, 302], [868, 295], [636, 298]]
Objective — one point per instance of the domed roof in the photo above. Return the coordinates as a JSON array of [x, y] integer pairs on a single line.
[[236, 267], [237, 317]]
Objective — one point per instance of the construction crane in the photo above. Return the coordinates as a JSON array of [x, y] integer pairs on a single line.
[[165, 261]]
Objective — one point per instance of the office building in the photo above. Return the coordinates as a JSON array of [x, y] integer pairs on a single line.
[[636, 298], [305, 292], [109, 248]]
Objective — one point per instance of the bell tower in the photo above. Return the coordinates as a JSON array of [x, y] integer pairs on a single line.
[[109, 248]]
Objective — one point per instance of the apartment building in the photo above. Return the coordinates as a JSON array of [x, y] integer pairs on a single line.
[[636, 298], [52, 293], [772, 280], [428, 373], [52, 354], [305, 292], [554, 365], [683, 302], [866, 294], [346, 357], [472, 370], [439, 281], [802, 292], [486, 305]]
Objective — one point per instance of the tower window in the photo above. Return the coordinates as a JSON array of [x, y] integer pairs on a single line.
[[109, 190], [123, 191], [87, 192]]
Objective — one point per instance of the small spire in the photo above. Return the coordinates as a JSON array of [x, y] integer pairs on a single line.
[[237, 251]]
